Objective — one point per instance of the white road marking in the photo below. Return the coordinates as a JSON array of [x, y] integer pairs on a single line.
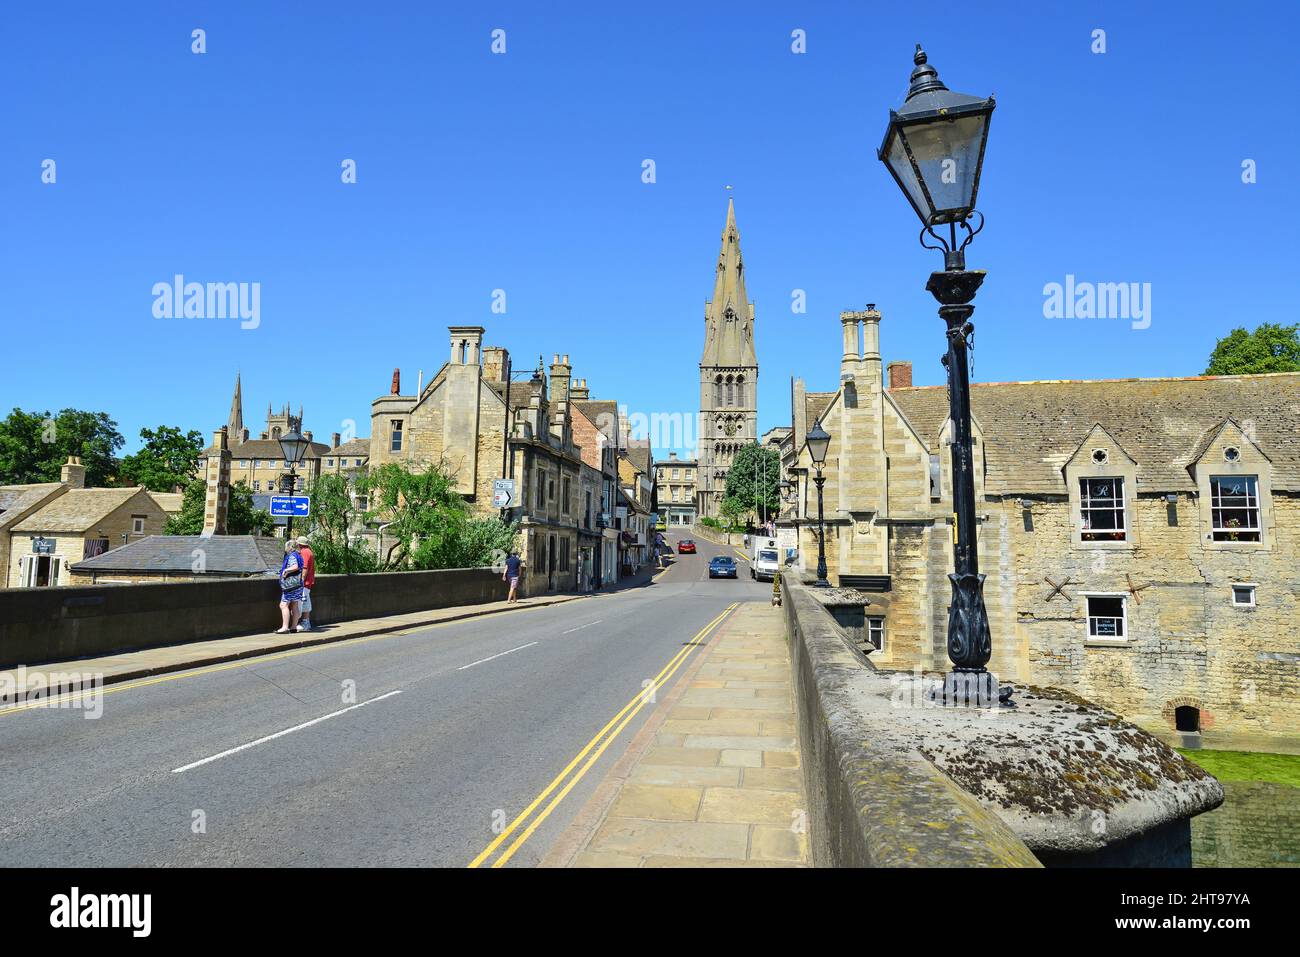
[[281, 734], [580, 627], [490, 657]]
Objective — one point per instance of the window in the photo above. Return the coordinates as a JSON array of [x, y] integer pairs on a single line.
[[564, 554], [876, 632], [677, 473], [257, 485], [243, 463], [1243, 595], [137, 524], [541, 489], [395, 442], [564, 502], [1234, 508], [1101, 501], [550, 490], [1106, 617], [329, 463]]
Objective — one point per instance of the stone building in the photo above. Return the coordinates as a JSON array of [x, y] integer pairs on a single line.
[[182, 558], [596, 430], [675, 490], [1140, 537], [259, 462], [480, 426], [728, 374], [54, 525]]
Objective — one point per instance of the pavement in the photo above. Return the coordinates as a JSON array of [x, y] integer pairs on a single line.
[[453, 742], [714, 779]]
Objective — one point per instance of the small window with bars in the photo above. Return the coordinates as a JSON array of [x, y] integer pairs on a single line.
[[1234, 508], [1101, 504]]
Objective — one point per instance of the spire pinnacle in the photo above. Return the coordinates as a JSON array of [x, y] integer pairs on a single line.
[[235, 423]]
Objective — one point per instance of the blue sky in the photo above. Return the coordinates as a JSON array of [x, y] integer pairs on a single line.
[[522, 172]]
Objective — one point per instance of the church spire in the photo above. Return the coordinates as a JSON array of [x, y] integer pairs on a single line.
[[729, 318], [236, 424]]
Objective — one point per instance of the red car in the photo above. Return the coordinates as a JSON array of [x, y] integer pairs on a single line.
[[686, 547]]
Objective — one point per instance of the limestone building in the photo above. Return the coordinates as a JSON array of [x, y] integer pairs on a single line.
[[259, 462], [675, 490], [1140, 537], [728, 374], [473, 420]]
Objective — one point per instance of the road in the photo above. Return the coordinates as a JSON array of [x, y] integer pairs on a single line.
[[469, 742]]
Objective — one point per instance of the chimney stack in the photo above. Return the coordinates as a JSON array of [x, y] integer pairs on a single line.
[[494, 363], [871, 344], [73, 474], [900, 375], [852, 350], [397, 382], [216, 505], [561, 373], [334, 440], [579, 391]]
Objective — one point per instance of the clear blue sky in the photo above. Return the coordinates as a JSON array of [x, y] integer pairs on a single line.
[[523, 172]]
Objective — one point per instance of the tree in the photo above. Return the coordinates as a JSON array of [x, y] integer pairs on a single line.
[[35, 445], [169, 458], [333, 515], [753, 481], [1270, 348], [429, 522], [242, 517], [731, 509]]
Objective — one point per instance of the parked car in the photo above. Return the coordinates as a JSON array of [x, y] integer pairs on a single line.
[[686, 547], [724, 566]]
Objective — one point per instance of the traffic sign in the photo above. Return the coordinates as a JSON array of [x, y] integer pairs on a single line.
[[503, 493], [297, 506]]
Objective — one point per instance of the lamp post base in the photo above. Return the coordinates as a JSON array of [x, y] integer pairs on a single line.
[[968, 689]]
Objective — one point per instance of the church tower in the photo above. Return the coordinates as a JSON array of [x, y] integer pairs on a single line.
[[728, 373]]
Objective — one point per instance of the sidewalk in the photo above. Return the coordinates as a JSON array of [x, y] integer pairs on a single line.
[[714, 777], [196, 654]]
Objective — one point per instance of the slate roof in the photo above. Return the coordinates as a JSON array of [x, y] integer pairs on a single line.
[[815, 405], [353, 447], [638, 453], [270, 449], [77, 510], [223, 555], [17, 498], [520, 392], [169, 502], [1032, 428]]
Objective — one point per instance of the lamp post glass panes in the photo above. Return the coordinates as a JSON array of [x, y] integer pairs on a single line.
[[293, 445], [819, 441], [934, 148]]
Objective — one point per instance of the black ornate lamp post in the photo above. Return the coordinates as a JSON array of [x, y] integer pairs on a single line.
[[819, 441], [294, 445], [934, 147]]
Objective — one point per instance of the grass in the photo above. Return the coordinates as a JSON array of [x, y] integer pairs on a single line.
[[1248, 765]]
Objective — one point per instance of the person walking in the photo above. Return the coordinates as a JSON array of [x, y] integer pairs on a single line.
[[308, 581], [514, 566], [290, 588]]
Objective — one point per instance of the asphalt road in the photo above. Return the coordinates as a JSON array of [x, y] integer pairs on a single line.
[[450, 734]]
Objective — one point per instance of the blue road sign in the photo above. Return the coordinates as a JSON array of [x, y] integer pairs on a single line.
[[299, 506]]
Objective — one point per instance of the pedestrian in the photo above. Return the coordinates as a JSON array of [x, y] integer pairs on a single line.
[[513, 568], [290, 588], [308, 581]]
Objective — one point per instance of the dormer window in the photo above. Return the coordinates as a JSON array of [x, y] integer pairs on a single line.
[[1234, 508], [1101, 505]]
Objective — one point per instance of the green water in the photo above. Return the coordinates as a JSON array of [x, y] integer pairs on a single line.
[[1258, 825]]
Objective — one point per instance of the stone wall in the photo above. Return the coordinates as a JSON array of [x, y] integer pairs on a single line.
[[60, 624]]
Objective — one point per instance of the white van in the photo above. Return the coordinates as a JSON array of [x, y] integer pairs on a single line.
[[764, 559]]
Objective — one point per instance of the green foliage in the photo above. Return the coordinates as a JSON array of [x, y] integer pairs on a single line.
[[732, 509], [430, 523], [333, 515], [753, 482], [35, 445], [241, 518], [1270, 348], [169, 458], [1248, 765], [708, 521]]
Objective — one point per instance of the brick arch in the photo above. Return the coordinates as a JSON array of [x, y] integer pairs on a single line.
[[1189, 701]]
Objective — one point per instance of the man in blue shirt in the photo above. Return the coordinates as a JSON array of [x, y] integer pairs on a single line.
[[511, 575]]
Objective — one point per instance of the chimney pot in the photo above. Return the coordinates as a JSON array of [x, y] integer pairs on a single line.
[[397, 382]]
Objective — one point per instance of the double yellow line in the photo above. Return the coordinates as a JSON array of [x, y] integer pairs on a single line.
[[599, 743]]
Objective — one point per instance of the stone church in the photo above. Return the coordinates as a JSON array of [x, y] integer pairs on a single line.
[[728, 374]]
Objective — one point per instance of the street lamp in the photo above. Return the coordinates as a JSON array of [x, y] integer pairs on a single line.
[[293, 445], [934, 147], [819, 441]]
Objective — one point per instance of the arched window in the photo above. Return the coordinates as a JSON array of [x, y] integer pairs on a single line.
[[740, 391], [730, 395], [717, 391]]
